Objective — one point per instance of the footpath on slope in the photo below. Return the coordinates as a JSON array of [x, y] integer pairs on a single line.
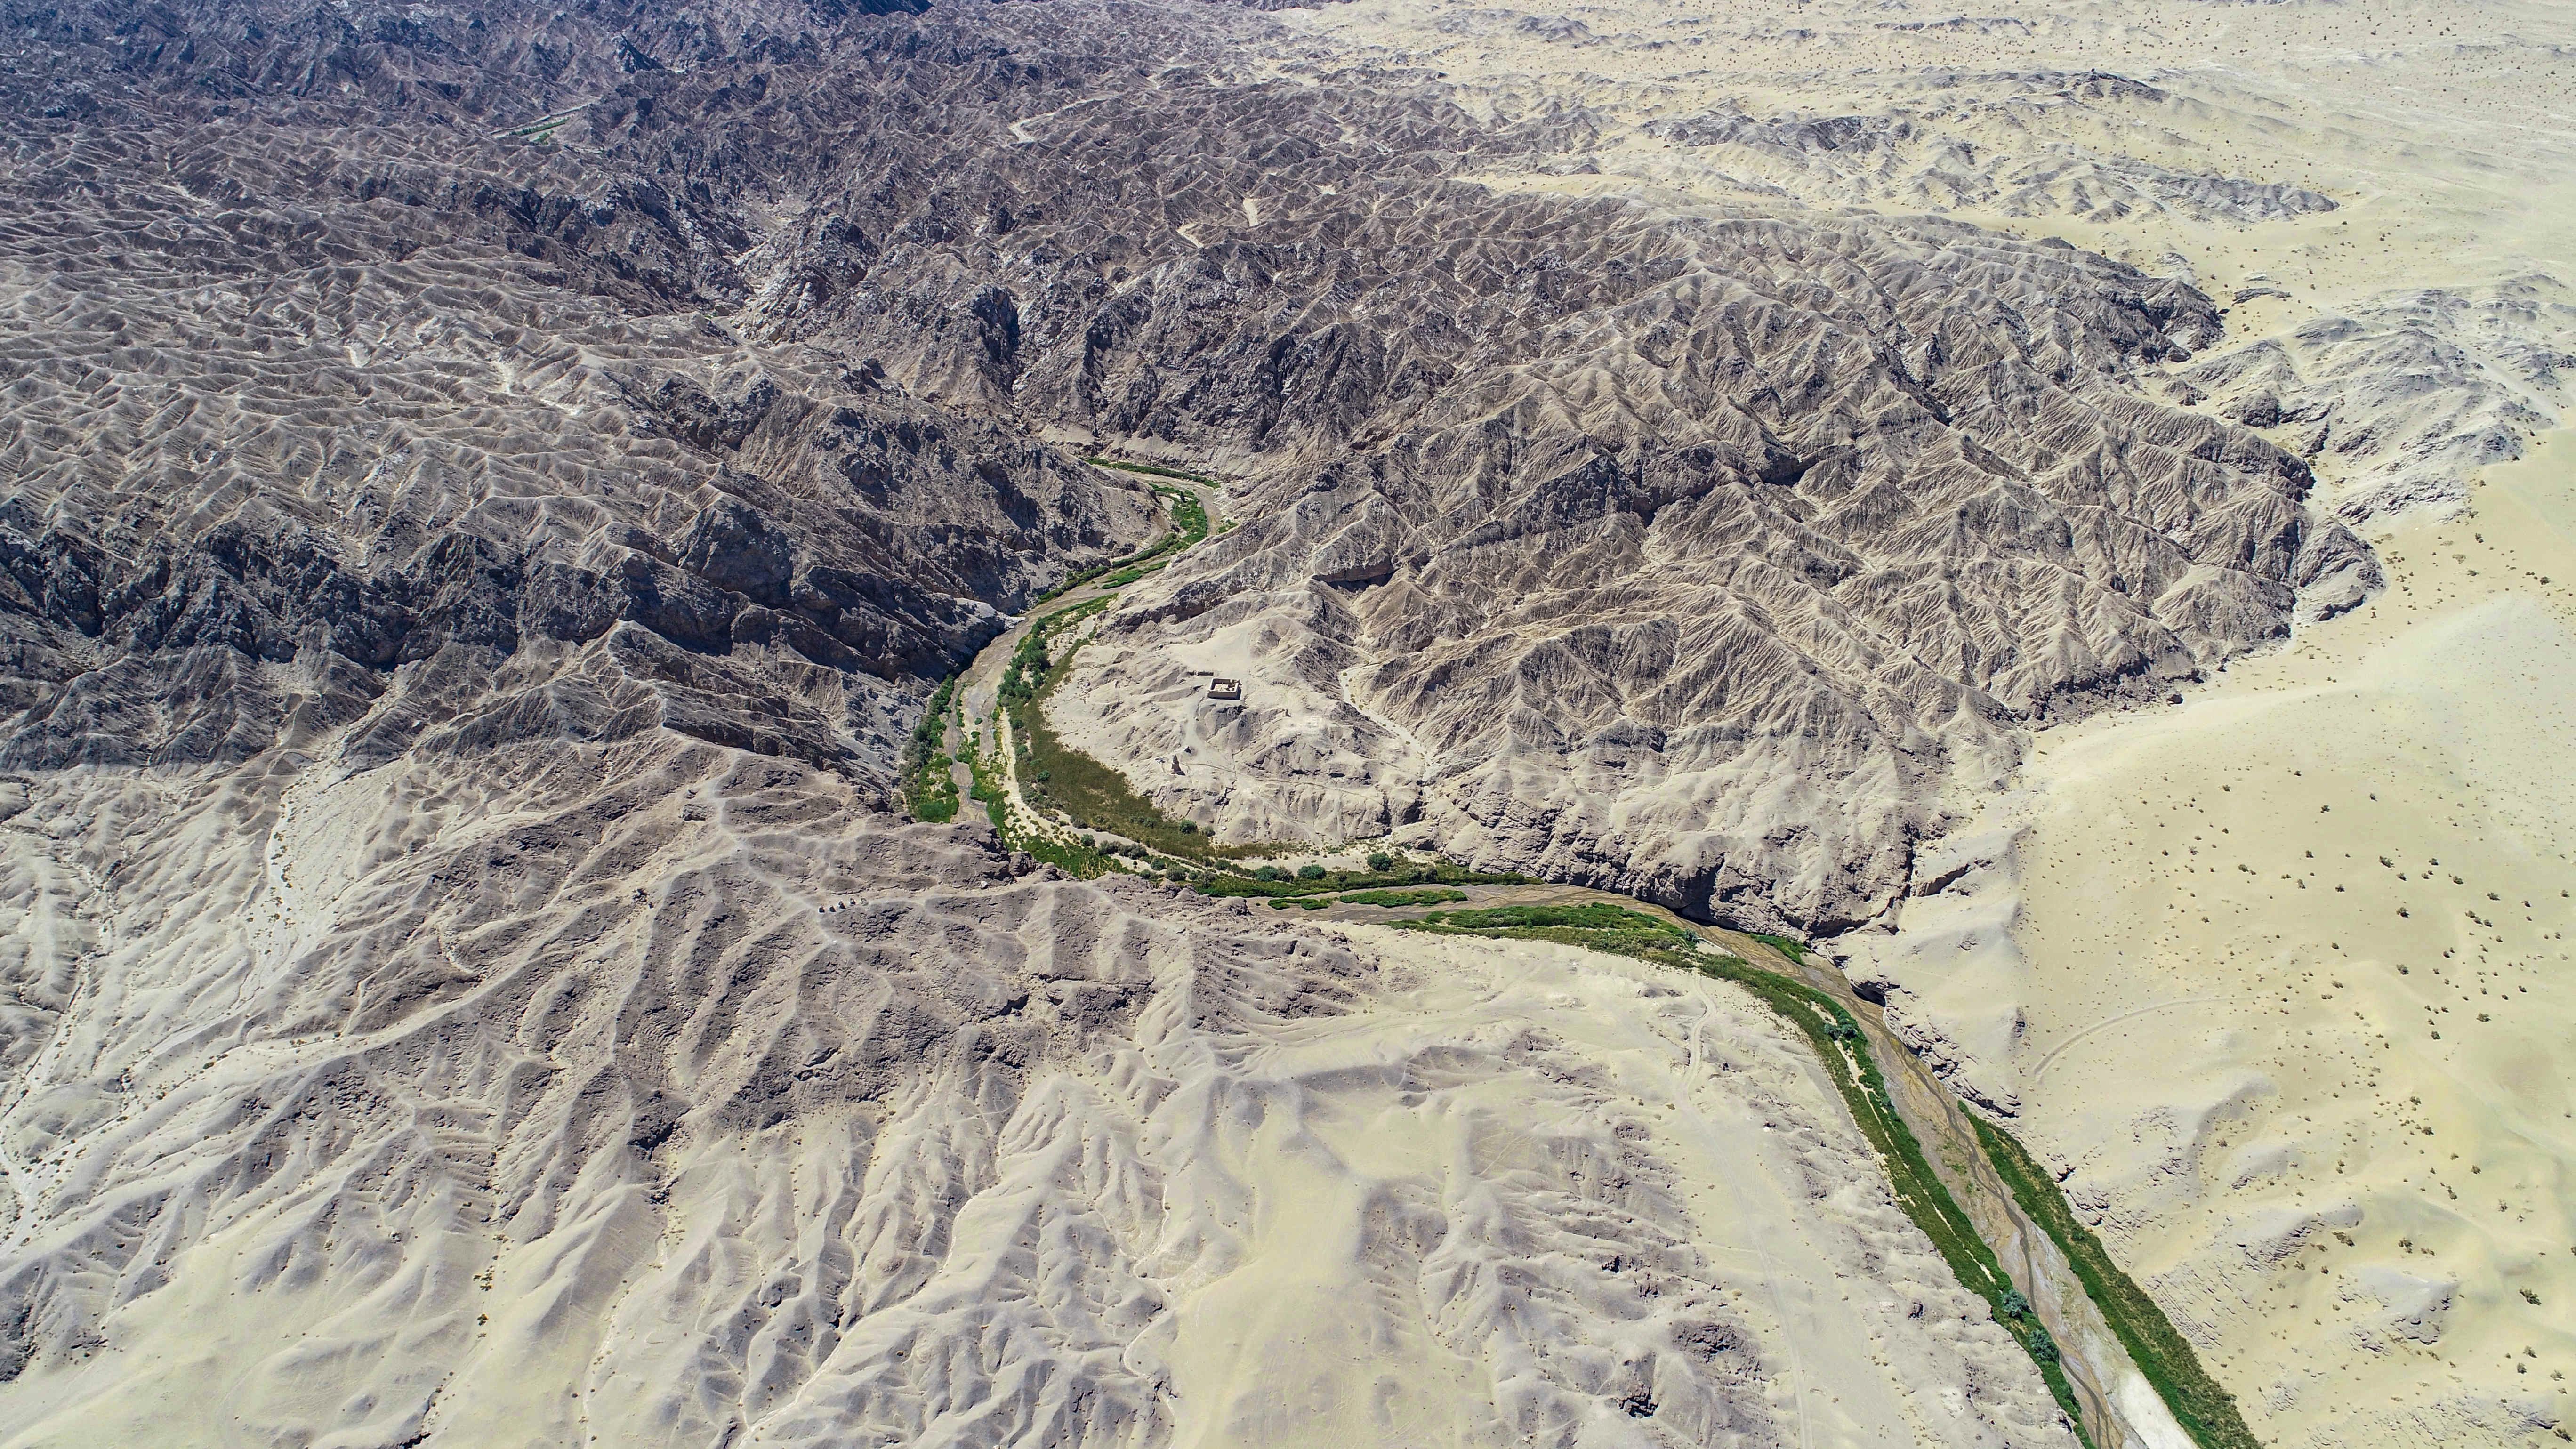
[[2124, 1376]]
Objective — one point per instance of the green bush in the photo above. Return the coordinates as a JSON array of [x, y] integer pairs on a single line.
[[1310, 872], [1189, 525], [2205, 1411], [1600, 926], [1432, 896], [1789, 946], [927, 789], [1285, 883], [1379, 860]]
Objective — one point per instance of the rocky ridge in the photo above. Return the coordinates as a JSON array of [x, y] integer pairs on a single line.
[[372, 449], [1466, 421]]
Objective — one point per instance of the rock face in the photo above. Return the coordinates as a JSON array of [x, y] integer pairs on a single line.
[[1690, 555], [487, 489], [294, 393], [1685, 554], [1694, 572], [1702, 591], [1912, 159], [362, 456], [2409, 393]]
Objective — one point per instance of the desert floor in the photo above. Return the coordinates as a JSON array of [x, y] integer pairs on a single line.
[[2283, 975]]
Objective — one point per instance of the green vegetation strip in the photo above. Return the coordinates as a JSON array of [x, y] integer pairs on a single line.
[[987, 772], [1789, 946], [1839, 1044], [1057, 776], [929, 790], [2206, 1412], [1189, 526], [1295, 893], [1384, 871], [1434, 896], [1919, 1190], [1053, 775], [1599, 926], [1151, 470]]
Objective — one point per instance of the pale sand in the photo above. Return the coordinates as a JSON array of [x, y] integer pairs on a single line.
[[2218, 1015], [1308, 1339]]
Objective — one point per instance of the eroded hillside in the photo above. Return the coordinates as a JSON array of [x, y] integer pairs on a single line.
[[489, 492]]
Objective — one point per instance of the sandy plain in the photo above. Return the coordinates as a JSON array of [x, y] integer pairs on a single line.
[[2284, 976]]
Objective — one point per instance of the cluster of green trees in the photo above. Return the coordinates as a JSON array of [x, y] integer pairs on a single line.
[[929, 788], [1384, 870]]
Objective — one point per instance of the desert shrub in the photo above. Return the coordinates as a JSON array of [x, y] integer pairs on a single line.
[[1789, 946], [1437, 895]]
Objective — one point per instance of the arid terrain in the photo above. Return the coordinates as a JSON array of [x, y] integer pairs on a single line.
[[615, 829]]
